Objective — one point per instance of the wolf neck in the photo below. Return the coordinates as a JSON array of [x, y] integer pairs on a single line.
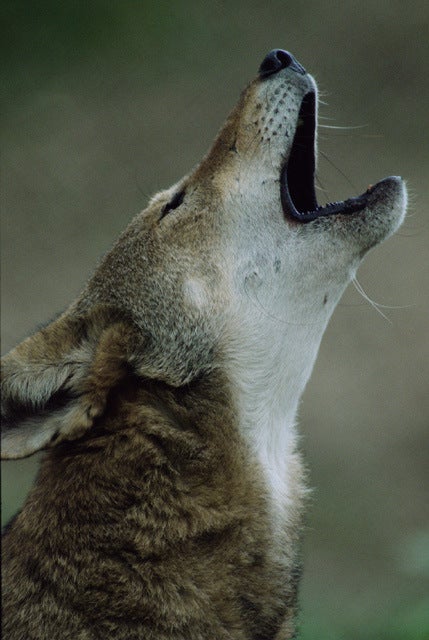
[[269, 373]]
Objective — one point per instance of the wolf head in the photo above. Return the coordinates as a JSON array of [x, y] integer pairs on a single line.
[[236, 267]]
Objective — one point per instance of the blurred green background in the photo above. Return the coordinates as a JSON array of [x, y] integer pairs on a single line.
[[107, 102]]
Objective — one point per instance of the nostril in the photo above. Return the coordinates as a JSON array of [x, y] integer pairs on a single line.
[[284, 57], [276, 60]]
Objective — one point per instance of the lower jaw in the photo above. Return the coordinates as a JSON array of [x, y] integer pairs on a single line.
[[346, 207]]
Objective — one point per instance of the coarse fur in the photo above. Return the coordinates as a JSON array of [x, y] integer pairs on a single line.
[[169, 501]]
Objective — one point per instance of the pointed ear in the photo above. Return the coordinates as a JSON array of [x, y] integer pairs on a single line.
[[55, 383]]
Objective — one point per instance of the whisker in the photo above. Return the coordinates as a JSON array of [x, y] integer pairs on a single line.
[[340, 171], [319, 186], [346, 128], [377, 305], [253, 299], [366, 297]]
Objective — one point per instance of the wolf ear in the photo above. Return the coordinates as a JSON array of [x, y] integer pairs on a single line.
[[55, 383]]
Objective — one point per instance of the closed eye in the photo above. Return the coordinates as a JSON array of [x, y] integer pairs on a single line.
[[174, 203]]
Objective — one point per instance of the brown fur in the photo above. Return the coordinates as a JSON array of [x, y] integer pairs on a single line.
[[160, 505], [169, 501]]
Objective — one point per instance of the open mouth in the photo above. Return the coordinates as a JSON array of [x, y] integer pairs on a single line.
[[297, 189]]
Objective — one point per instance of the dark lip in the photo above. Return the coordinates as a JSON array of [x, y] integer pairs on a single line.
[[297, 190]]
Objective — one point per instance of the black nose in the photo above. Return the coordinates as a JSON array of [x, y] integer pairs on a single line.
[[279, 59]]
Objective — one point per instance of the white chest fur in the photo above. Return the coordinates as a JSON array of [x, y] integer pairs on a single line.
[[269, 370], [271, 347]]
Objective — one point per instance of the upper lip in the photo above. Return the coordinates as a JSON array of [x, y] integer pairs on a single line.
[[297, 189]]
